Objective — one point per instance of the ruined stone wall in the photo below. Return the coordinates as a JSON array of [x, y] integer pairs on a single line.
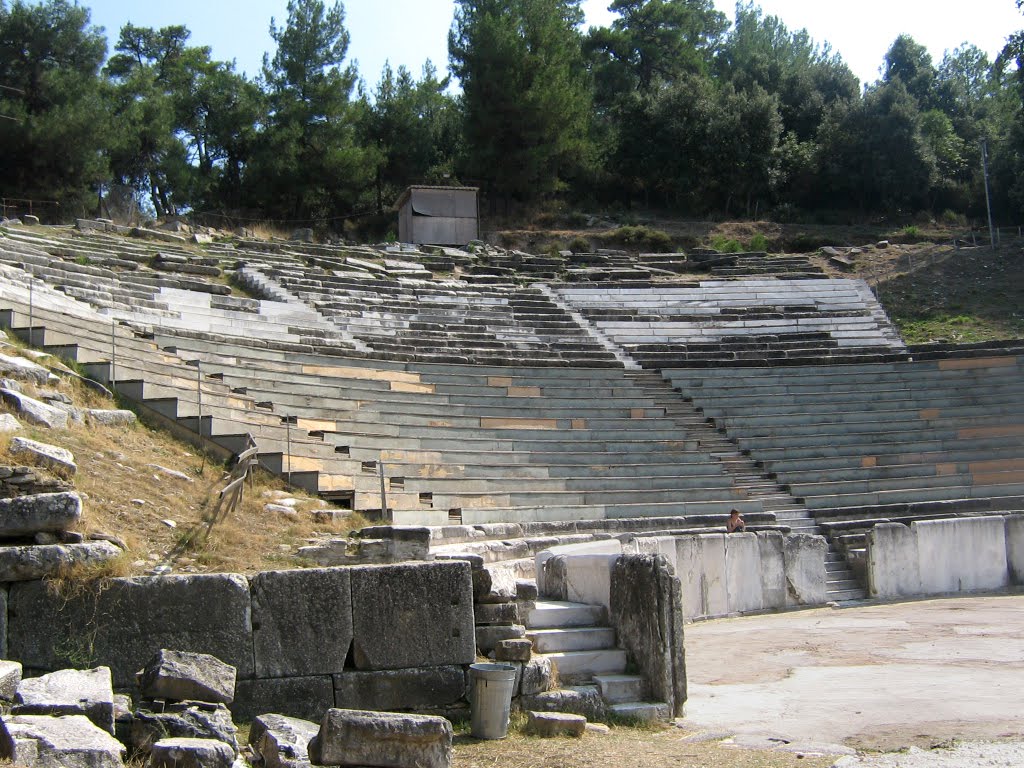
[[396, 637], [27, 481]]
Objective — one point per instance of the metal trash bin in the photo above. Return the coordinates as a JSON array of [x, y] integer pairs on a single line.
[[491, 688]]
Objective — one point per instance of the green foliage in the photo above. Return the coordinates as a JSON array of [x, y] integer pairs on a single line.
[[758, 243], [579, 245], [724, 244], [55, 121], [642, 239], [525, 93]]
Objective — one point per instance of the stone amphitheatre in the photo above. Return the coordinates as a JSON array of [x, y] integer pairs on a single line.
[[549, 447]]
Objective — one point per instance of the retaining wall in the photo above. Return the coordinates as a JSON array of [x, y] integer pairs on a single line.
[[302, 641], [939, 557]]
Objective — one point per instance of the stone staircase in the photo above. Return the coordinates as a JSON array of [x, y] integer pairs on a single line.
[[577, 640], [842, 584]]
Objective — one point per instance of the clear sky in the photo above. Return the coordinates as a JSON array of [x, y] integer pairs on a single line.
[[410, 31]]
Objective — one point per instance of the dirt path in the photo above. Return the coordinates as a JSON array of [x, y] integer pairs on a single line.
[[873, 677]]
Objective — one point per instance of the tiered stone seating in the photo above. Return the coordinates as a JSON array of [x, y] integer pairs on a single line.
[[876, 437], [741, 322], [754, 264], [443, 321]]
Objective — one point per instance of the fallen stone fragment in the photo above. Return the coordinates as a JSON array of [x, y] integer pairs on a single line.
[[44, 454], [282, 742], [26, 515], [188, 720], [357, 737], [190, 753], [10, 679], [86, 692], [171, 473], [8, 423], [582, 700], [111, 418], [548, 724], [34, 411], [513, 650], [536, 677], [40, 741], [37, 561], [599, 729], [181, 675], [23, 370]]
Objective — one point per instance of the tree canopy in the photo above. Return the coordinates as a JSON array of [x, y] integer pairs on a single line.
[[671, 106]]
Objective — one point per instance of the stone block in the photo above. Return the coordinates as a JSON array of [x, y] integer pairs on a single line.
[[961, 555], [38, 561], [35, 412], [69, 692], [582, 700], [190, 753], [497, 613], [302, 621], [412, 615], [400, 689], [23, 370], [513, 650], [10, 679], [26, 515], [354, 737], [282, 742], [526, 590], [1015, 548], [805, 569], [187, 720], [303, 697], [406, 542], [743, 573], [40, 741], [892, 561], [773, 569], [550, 724], [181, 675], [44, 455], [488, 637], [536, 677], [121, 622], [647, 614], [111, 417]]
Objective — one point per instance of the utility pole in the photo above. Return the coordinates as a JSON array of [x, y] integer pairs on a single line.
[[988, 200]]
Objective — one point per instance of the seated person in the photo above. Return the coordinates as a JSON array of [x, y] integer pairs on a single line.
[[735, 523]]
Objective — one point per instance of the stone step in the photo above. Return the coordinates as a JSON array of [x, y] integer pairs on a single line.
[[645, 711], [551, 614], [841, 585], [583, 665], [843, 595], [559, 639], [620, 689]]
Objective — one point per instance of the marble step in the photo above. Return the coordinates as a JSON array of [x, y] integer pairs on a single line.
[[571, 639], [550, 614]]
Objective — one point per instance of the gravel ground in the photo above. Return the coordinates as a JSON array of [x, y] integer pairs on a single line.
[[965, 755]]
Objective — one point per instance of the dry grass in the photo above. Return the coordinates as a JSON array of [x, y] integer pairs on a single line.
[[649, 747], [165, 520]]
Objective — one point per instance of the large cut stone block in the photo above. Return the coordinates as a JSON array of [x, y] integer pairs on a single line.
[[190, 753], [805, 569], [282, 742], [37, 561], [961, 555], [122, 622], [1015, 548], [354, 737], [182, 675], [25, 515], [773, 569], [400, 689], [44, 455], [743, 572], [40, 741], [10, 679], [69, 692], [302, 621], [412, 615], [892, 561], [305, 697]]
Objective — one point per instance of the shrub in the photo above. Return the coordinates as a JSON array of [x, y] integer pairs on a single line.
[[580, 245], [758, 243], [724, 244], [643, 238]]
